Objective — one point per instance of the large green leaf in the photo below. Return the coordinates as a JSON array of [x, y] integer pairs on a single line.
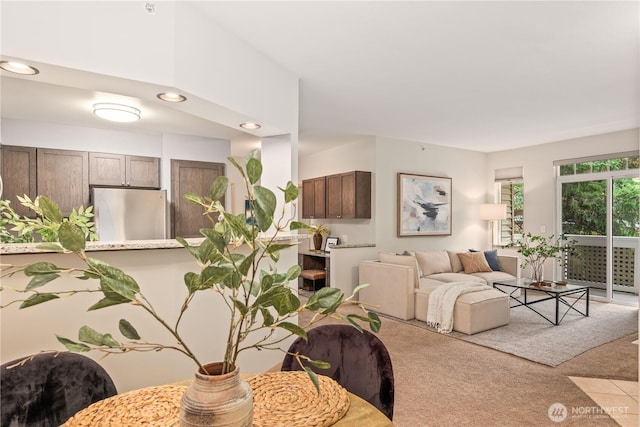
[[218, 188], [313, 377], [240, 306], [108, 302], [290, 192], [41, 268], [329, 297], [71, 237], [50, 246], [73, 346], [193, 282], [218, 239], [91, 336], [294, 329], [41, 280], [127, 330], [285, 303], [50, 209], [37, 299], [235, 163], [267, 317], [246, 263], [254, 170], [214, 274], [297, 225], [265, 206]]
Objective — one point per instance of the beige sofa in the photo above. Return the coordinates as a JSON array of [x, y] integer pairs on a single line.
[[399, 285]]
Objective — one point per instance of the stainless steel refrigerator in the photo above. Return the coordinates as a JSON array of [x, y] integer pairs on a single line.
[[129, 214]]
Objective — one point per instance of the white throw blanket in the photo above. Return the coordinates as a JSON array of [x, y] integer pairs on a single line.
[[443, 299]]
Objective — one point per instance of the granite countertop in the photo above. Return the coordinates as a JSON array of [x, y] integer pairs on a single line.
[[354, 245], [31, 248]]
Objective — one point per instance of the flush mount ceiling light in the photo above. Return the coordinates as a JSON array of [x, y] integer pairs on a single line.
[[116, 112], [171, 97], [18, 68], [250, 125]]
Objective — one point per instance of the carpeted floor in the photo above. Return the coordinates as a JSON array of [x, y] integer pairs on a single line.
[[441, 381], [530, 336]]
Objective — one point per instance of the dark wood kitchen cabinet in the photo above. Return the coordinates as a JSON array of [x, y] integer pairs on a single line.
[[313, 198], [349, 195], [63, 176], [191, 177], [18, 171], [121, 170]]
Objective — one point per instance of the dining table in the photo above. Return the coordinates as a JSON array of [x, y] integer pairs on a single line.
[[159, 405]]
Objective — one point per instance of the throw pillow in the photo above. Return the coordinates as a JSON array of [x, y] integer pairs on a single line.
[[407, 260], [492, 258], [433, 262], [456, 265], [474, 262]]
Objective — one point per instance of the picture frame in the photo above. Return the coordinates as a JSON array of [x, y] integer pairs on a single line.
[[424, 205], [330, 241]]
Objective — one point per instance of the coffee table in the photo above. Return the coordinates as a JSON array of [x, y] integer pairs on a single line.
[[554, 292]]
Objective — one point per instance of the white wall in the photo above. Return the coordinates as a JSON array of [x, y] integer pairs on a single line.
[[467, 170]]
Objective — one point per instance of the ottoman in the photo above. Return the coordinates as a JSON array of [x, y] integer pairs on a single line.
[[473, 312]]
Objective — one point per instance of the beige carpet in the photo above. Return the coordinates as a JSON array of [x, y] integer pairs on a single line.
[[442, 381]]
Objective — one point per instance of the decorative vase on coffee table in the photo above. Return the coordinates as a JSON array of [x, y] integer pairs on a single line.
[[216, 399]]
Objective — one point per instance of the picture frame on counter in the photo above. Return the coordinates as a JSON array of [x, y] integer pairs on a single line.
[[330, 241]]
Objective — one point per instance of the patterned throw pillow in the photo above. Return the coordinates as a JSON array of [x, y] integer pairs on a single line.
[[474, 262]]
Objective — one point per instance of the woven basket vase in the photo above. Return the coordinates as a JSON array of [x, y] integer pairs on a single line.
[[217, 400]]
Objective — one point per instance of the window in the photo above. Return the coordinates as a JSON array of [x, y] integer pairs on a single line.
[[511, 193]]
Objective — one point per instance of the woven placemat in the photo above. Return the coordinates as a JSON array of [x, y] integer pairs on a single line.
[[290, 399], [150, 406]]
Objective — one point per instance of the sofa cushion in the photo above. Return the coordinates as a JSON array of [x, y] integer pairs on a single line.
[[492, 276], [455, 277], [474, 262], [408, 260], [433, 262], [456, 264]]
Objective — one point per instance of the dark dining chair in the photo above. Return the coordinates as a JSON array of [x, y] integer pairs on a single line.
[[359, 362], [46, 389]]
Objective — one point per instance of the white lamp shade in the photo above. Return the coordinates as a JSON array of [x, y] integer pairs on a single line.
[[493, 211]]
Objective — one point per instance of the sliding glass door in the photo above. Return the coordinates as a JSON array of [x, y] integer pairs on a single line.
[[599, 209]]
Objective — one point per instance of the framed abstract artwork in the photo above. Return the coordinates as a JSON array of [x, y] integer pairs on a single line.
[[424, 205]]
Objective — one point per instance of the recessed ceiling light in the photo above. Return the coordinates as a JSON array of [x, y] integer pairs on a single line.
[[116, 112], [250, 125], [18, 67], [171, 97]]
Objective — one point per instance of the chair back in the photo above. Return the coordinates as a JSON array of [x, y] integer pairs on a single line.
[[46, 389], [359, 362]]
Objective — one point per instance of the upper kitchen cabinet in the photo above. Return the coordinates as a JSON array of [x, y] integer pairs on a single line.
[[313, 198], [191, 177], [63, 176], [125, 171], [349, 195], [18, 171]]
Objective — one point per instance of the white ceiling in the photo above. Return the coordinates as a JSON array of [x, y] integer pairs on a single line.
[[479, 75]]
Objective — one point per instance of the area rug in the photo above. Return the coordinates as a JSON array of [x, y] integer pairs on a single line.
[[531, 337]]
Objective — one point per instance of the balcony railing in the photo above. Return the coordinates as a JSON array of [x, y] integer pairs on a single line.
[[590, 266]]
